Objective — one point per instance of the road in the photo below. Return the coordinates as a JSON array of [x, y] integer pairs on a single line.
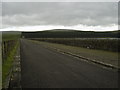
[[44, 68]]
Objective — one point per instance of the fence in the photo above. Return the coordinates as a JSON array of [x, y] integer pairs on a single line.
[[7, 46]]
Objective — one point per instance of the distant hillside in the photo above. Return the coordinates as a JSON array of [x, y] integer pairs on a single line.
[[10, 32], [10, 35], [65, 33]]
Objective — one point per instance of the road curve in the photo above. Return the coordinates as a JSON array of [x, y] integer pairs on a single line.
[[43, 68]]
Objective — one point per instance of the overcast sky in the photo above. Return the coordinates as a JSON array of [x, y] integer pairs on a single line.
[[93, 16]]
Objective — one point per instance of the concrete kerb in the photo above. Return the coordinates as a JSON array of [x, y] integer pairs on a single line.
[[87, 59]]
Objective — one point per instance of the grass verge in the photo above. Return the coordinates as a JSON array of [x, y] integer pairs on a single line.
[[105, 57], [6, 67]]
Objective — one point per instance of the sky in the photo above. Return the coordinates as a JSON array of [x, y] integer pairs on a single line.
[[38, 16]]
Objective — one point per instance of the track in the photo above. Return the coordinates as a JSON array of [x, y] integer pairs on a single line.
[[43, 68]]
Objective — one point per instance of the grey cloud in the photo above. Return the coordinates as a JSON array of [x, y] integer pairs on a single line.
[[59, 13]]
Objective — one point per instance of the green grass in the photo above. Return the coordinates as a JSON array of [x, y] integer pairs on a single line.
[[6, 37], [8, 63], [92, 43], [98, 55]]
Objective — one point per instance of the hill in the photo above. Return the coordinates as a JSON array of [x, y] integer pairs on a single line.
[[66, 33]]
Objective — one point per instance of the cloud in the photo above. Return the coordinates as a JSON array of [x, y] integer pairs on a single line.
[[21, 14], [74, 27]]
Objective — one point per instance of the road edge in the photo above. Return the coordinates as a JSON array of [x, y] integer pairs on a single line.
[[78, 56]]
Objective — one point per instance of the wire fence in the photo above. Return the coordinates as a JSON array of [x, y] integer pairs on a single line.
[[7, 46]]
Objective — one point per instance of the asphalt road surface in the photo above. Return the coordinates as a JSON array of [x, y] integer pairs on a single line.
[[43, 68]]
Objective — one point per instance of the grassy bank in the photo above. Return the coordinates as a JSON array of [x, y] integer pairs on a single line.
[[6, 67], [10, 43], [98, 55], [91, 43]]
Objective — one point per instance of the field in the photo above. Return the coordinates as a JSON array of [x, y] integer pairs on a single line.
[[106, 44], [7, 36]]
